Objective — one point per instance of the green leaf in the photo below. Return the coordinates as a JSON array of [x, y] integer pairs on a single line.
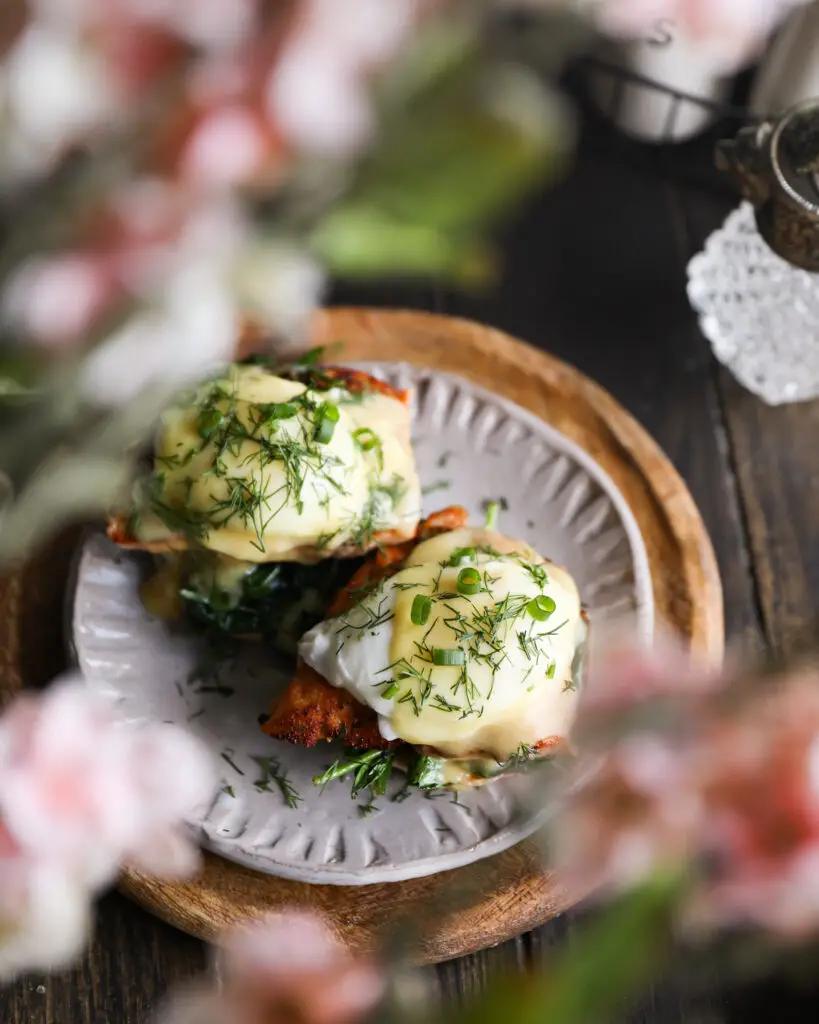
[[426, 772], [587, 983], [362, 240], [465, 154], [447, 167]]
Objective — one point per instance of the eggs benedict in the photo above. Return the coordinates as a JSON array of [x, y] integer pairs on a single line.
[[259, 475], [458, 655]]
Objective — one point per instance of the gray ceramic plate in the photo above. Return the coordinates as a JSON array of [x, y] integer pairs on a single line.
[[472, 446]]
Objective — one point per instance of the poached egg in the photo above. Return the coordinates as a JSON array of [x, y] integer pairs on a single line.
[[471, 650], [258, 468]]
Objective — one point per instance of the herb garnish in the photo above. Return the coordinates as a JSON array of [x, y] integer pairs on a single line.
[[227, 755], [272, 771], [439, 485], [293, 434], [485, 632], [371, 769]]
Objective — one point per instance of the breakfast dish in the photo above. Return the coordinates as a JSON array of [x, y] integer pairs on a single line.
[[456, 655], [262, 481], [471, 448]]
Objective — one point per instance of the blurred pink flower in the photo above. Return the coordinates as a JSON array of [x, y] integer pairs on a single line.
[[82, 791], [283, 968], [56, 300], [639, 814], [762, 797], [228, 146], [317, 94], [55, 91], [726, 788], [187, 268], [212, 24], [367, 33], [81, 794], [289, 968], [318, 102], [629, 674], [44, 916]]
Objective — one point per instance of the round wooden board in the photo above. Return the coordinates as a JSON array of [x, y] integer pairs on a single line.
[[511, 892]]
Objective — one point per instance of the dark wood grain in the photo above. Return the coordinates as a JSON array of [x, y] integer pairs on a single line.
[[776, 463], [131, 963]]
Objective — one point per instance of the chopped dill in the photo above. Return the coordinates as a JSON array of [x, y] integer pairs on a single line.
[[227, 755], [272, 771], [523, 755]]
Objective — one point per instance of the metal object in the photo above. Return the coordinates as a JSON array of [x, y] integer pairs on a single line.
[[668, 158], [622, 78], [775, 164]]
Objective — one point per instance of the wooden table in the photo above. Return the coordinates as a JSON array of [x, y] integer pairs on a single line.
[[595, 273]]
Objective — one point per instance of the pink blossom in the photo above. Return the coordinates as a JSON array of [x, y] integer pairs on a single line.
[[725, 788], [81, 794], [56, 300], [318, 102], [87, 793], [366, 31], [624, 675], [192, 266], [284, 968], [639, 814], [227, 147], [317, 94], [762, 797], [56, 92], [288, 967], [44, 917], [213, 24]]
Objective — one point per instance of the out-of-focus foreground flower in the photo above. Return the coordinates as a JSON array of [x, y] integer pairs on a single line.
[[709, 775], [285, 968], [81, 794]]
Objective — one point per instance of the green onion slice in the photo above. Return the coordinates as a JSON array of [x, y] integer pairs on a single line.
[[281, 410], [421, 607], [461, 555], [550, 671], [541, 607], [448, 656], [391, 691], [326, 422], [366, 439], [469, 581]]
